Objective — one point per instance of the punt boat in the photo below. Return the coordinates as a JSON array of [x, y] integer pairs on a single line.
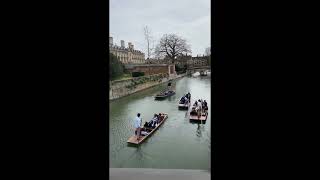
[[133, 139]]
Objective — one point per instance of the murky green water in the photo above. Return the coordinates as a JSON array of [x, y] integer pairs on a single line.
[[177, 144]]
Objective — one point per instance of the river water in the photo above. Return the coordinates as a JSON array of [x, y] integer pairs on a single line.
[[177, 144]]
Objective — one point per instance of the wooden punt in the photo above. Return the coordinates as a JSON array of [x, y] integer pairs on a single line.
[[133, 139], [196, 118], [203, 117], [184, 106], [162, 95]]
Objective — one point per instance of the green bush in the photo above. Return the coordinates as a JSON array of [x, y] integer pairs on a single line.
[[137, 74], [115, 67], [180, 69]]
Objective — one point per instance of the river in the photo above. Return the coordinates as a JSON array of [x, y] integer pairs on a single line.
[[177, 144]]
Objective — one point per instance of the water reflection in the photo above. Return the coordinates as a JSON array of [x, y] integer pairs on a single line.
[[198, 131]]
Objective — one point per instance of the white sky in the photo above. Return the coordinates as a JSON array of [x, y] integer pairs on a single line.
[[187, 18]]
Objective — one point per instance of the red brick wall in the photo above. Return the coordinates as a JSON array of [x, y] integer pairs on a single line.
[[150, 70]]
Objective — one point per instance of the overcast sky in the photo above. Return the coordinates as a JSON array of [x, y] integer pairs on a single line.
[[187, 18]]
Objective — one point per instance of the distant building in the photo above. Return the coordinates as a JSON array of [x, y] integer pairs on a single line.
[[126, 55], [199, 61], [183, 60], [180, 60], [157, 61]]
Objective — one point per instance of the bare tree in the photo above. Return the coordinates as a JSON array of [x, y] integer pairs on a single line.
[[148, 38], [171, 45], [207, 51]]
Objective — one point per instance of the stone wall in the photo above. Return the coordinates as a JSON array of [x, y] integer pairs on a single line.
[[123, 88], [126, 87], [148, 69]]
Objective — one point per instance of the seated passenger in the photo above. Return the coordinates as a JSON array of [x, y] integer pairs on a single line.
[[205, 105], [182, 100], [160, 117], [153, 122], [146, 124], [144, 133], [195, 104], [156, 118], [145, 128], [189, 96], [185, 100], [193, 111]]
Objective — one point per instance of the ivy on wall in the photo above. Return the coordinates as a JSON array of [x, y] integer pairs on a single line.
[[141, 80]]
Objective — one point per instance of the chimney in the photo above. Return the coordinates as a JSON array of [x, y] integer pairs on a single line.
[[110, 40], [122, 43], [129, 45]]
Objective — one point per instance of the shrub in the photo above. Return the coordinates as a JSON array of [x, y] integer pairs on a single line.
[[115, 67], [137, 74]]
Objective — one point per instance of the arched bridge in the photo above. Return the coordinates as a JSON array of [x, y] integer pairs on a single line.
[[201, 69]]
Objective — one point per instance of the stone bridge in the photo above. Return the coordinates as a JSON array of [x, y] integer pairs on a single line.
[[201, 69]]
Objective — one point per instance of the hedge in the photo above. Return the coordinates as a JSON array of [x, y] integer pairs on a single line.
[[137, 74]]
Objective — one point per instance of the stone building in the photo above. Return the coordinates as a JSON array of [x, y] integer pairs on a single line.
[[199, 61], [180, 60], [127, 55], [183, 60]]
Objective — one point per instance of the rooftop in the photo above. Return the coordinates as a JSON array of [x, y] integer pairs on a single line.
[[124, 49]]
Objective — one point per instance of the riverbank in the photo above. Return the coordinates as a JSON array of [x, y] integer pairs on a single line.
[[122, 88]]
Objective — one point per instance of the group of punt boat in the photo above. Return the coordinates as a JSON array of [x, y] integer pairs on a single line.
[[149, 131], [193, 114]]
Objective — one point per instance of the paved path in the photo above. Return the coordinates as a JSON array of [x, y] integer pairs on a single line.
[[157, 174]]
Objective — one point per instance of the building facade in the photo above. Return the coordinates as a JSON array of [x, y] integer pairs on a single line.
[[183, 60], [180, 60], [199, 61], [127, 55]]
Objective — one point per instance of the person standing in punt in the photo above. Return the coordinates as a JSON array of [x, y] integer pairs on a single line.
[[186, 100], [199, 108], [169, 86], [137, 126], [189, 96], [160, 117], [205, 104]]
